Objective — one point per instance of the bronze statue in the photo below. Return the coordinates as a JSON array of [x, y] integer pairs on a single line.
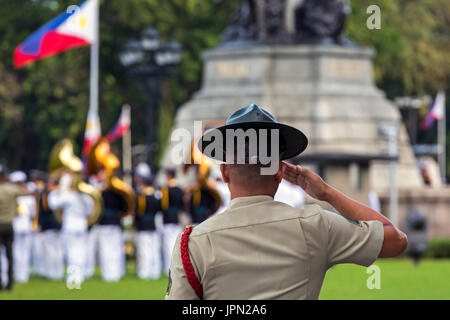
[[321, 21], [258, 21], [264, 21]]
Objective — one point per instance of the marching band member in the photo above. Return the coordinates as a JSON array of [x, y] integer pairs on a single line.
[[148, 241], [53, 257], [118, 202], [76, 208], [36, 185], [172, 204], [22, 245], [110, 235]]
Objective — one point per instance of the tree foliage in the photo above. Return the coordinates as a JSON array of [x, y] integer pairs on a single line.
[[48, 100]]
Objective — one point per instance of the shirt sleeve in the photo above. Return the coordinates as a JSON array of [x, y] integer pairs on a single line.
[[18, 192], [179, 287], [352, 241], [55, 200]]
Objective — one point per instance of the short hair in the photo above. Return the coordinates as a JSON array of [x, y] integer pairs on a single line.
[[249, 175]]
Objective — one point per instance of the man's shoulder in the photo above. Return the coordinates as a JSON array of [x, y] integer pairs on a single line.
[[268, 212]]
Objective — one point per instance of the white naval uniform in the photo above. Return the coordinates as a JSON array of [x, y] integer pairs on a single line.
[[37, 253], [76, 208], [111, 248], [53, 254], [170, 233], [22, 244], [148, 254], [91, 255], [290, 194], [4, 264]]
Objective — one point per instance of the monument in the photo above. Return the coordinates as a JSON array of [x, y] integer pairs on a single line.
[[291, 58]]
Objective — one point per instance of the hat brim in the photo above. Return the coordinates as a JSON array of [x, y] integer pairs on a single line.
[[292, 141]]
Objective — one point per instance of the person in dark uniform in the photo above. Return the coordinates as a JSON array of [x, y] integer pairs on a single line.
[[110, 235], [201, 205], [53, 244], [172, 206], [148, 241]]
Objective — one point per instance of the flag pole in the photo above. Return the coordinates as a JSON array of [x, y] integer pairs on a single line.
[[442, 144], [93, 97], [126, 153]]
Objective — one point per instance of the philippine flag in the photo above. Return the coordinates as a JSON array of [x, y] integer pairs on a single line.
[[436, 112], [76, 27], [122, 126]]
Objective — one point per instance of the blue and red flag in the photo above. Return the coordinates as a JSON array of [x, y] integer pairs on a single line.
[[74, 28], [436, 112], [122, 126]]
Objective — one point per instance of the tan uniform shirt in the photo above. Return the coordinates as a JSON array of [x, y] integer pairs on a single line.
[[263, 249], [8, 203]]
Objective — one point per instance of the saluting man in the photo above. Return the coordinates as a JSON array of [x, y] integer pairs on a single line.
[[263, 249], [148, 241]]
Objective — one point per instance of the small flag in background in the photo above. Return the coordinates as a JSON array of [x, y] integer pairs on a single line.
[[436, 112], [74, 28], [93, 131], [122, 126]]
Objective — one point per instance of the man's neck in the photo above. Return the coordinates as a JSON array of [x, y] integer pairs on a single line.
[[239, 194]]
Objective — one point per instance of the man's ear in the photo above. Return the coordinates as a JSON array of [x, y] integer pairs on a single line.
[[280, 172], [225, 173]]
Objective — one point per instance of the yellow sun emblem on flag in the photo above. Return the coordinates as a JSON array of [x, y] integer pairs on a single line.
[[83, 22]]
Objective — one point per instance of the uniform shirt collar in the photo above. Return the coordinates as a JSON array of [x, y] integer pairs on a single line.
[[245, 201]]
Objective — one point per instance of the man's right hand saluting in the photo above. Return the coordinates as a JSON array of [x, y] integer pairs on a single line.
[[310, 182]]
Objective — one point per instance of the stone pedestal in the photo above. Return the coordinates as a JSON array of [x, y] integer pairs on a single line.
[[326, 91]]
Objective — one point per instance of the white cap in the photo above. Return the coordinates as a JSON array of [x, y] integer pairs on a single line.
[[17, 176], [143, 170]]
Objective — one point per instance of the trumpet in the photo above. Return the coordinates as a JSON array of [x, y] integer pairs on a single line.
[[62, 160]]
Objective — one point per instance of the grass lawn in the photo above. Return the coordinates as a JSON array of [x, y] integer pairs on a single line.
[[400, 279]]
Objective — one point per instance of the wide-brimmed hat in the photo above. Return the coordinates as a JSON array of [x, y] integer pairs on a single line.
[[291, 142]]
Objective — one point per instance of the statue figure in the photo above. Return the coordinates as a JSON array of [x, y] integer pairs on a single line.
[[258, 20], [264, 21], [321, 21]]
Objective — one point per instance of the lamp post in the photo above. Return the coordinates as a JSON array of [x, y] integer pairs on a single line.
[[150, 62], [389, 132]]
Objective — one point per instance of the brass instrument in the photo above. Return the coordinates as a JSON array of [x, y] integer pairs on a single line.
[[62, 160], [100, 158]]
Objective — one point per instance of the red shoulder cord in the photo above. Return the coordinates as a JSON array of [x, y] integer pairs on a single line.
[[187, 265]]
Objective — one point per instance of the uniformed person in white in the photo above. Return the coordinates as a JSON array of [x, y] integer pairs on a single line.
[[76, 207], [22, 245], [263, 249]]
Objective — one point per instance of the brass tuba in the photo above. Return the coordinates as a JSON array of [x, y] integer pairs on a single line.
[[101, 158], [62, 160]]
